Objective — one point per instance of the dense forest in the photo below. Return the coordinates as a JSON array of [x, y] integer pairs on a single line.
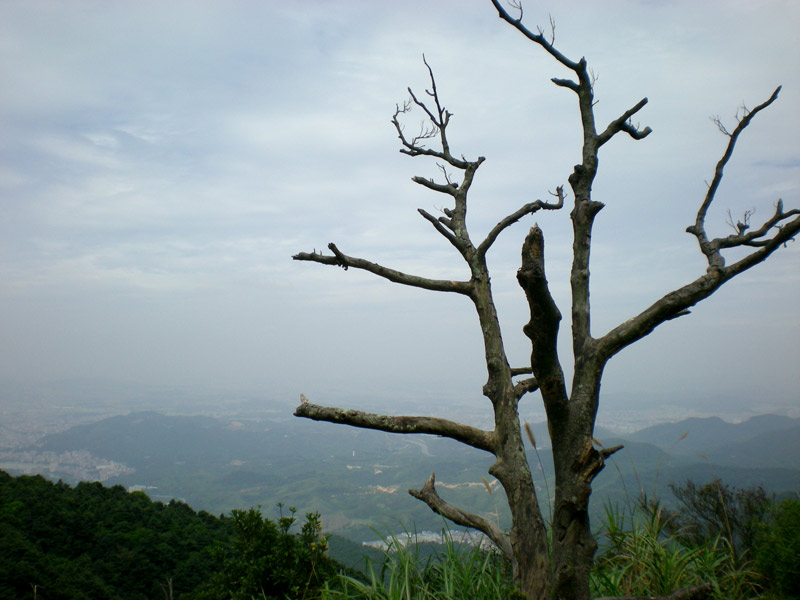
[[96, 542]]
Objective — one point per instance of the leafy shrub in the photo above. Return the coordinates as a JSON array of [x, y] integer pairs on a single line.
[[264, 560], [777, 553], [716, 509]]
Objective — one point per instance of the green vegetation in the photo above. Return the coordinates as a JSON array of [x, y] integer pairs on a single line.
[[717, 510], [457, 572], [94, 542], [357, 479], [97, 542], [642, 554], [639, 556], [264, 560], [740, 541], [777, 549]]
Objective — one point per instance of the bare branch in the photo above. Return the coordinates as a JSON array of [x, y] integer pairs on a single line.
[[606, 452], [440, 121], [741, 226], [752, 239], [785, 233], [526, 386], [677, 302], [342, 260], [439, 224], [412, 147], [430, 497], [720, 125], [567, 83], [709, 249], [438, 118], [623, 123], [527, 209], [447, 178], [537, 38], [472, 436], [443, 114], [444, 188]]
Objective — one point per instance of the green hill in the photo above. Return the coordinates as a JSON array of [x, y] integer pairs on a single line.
[[357, 479], [94, 542], [99, 542]]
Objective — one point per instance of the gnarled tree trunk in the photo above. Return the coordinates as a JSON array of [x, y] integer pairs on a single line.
[[542, 571]]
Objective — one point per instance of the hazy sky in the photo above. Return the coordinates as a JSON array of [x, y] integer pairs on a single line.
[[160, 162]]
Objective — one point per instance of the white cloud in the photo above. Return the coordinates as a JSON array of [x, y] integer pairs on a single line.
[[184, 151]]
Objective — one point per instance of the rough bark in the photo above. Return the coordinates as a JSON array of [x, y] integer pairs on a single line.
[[471, 436], [560, 571]]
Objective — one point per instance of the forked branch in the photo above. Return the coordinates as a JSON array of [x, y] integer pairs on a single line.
[[430, 497], [776, 231], [711, 248], [624, 123], [583, 86], [438, 119], [538, 37], [677, 302], [527, 209], [755, 238]]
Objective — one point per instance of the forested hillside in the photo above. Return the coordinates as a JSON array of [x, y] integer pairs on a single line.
[[94, 542]]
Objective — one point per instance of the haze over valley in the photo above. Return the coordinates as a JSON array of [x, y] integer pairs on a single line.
[[254, 453]]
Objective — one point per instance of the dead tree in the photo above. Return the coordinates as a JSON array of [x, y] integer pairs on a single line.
[[562, 571]]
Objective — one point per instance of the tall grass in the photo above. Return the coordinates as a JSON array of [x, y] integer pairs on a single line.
[[643, 551], [638, 556], [457, 573]]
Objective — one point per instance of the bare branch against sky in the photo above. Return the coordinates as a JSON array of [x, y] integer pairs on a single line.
[[160, 163]]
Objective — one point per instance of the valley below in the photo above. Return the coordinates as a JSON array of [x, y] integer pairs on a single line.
[[358, 479]]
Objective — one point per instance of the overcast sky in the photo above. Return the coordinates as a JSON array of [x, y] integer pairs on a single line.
[[160, 162]]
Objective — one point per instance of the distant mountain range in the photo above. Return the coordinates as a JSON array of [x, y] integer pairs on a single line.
[[358, 479], [763, 441]]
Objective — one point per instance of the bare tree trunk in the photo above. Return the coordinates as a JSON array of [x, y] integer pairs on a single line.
[[571, 423]]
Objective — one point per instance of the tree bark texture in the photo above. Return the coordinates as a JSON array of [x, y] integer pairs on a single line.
[[544, 569]]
